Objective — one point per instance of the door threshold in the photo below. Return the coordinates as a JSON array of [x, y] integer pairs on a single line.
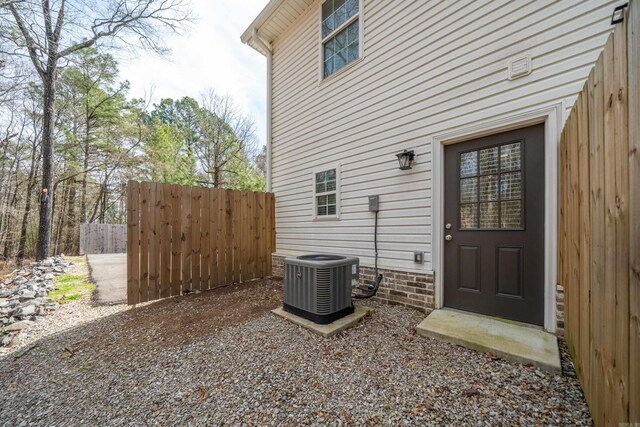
[[506, 339]]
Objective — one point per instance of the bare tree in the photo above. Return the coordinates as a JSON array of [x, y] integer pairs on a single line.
[[48, 32], [227, 135]]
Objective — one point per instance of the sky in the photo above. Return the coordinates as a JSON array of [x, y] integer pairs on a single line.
[[211, 55]]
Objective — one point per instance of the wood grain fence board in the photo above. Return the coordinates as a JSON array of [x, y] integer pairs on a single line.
[[602, 325], [256, 271], [255, 236], [584, 291], [610, 232], [176, 240], [191, 238], [164, 196], [245, 225], [185, 206], [103, 238], [576, 231], [154, 242], [247, 232], [262, 233], [206, 203], [195, 244], [81, 246], [246, 259], [633, 67], [145, 228], [597, 285], [214, 213], [228, 213], [237, 236], [133, 242], [271, 227], [621, 370]]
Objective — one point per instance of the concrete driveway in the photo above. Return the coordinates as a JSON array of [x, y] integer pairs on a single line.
[[109, 273]]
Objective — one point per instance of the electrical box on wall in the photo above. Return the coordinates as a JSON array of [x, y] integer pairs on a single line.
[[418, 257], [373, 203]]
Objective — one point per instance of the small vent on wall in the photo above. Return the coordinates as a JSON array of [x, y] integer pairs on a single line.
[[520, 67]]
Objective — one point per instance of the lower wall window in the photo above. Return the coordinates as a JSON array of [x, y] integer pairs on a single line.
[[325, 189]]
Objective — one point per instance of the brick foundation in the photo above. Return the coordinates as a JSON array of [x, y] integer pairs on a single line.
[[559, 310], [277, 265], [415, 290]]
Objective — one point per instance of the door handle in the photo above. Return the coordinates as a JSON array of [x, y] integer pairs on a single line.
[[448, 237]]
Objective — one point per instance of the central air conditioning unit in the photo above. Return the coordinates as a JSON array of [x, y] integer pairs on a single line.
[[318, 287]]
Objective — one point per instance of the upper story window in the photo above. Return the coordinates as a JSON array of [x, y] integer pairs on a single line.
[[340, 34]]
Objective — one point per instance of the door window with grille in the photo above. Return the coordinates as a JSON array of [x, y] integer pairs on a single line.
[[491, 188]]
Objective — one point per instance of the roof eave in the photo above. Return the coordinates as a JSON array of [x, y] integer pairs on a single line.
[[258, 22]]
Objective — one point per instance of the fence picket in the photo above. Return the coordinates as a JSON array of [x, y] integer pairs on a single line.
[[133, 242], [91, 241], [195, 245], [600, 161], [191, 238]]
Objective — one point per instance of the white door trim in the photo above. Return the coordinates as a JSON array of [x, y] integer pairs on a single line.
[[553, 118]]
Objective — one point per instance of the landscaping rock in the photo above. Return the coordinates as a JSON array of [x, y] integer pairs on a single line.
[[23, 293], [27, 295], [19, 326]]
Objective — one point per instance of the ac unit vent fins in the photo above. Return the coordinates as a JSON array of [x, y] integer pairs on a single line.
[[318, 286], [323, 282]]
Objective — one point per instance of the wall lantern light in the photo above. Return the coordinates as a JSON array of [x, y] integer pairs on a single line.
[[406, 159]]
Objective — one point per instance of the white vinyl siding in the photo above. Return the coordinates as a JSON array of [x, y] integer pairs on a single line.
[[429, 67]]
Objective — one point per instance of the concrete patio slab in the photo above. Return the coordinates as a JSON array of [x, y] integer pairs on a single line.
[[330, 329], [109, 273], [503, 338]]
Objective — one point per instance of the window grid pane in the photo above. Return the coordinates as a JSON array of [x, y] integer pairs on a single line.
[[469, 216], [491, 187], [342, 49], [469, 164], [489, 160], [489, 213], [325, 182], [469, 190]]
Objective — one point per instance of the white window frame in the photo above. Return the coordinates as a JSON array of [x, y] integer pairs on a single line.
[[358, 16], [314, 203]]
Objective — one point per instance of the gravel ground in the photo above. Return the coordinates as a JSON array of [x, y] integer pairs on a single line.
[[220, 357]]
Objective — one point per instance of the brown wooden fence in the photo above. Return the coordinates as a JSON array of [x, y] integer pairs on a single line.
[[181, 239], [600, 229], [103, 238]]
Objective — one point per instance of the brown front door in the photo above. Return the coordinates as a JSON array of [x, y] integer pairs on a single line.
[[494, 225]]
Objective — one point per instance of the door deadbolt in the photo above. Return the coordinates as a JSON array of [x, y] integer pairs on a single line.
[[448, 237], [448, 226]]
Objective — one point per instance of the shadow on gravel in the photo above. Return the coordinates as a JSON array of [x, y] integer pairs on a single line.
[[219, 358], [160, 324]]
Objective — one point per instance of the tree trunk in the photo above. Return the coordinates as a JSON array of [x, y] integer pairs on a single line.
[[43, 248], [71, 240], [85, 166], [22, 243], [62, 214], [33, 173], [8, 244]]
